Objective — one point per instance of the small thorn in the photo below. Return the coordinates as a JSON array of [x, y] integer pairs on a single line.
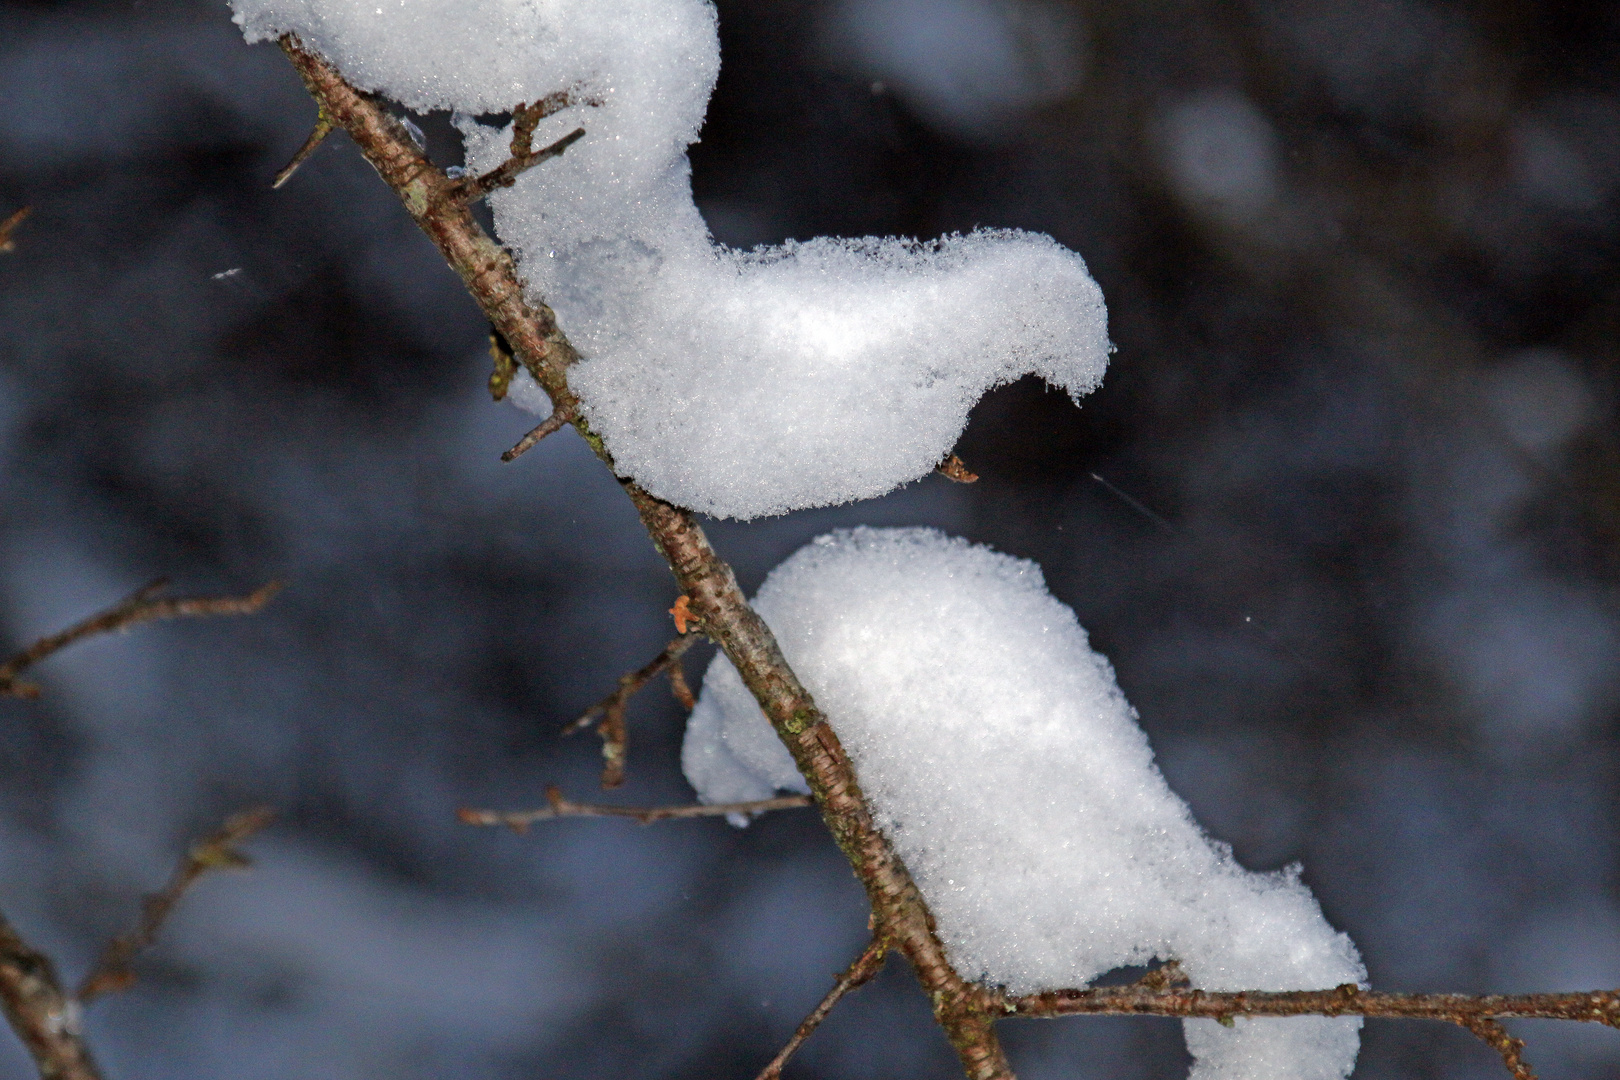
[[323, 127], [552, 423]]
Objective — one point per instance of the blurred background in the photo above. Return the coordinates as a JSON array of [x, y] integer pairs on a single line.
[[1345, 515]]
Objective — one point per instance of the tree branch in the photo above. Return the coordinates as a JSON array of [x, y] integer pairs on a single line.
[[214, 852], [471, 189], [552, 424], [9, 226], [615, 735], [144, 605], [1480, 1014], [868, 964], [1596, 1006], [45, 1019], [317, 135], [531, 330], [559, 807]]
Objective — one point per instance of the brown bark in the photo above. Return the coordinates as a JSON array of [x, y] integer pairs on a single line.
[[868, 964], [44, 1018], [558, 807], [142, 606]]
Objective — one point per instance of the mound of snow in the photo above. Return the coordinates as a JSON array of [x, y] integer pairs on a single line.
[[1008, 770], [736, 383]]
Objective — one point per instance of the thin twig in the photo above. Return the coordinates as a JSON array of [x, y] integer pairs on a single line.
[[1597, 1006], [1495, 1035], [144, 605], [559, 807], [615, 734], [323, 128], [471, 189], [868, 964], [1479, 1014], [678, 686], [44, 1018], [215, 852], [558, 419], [9, 226], [523, 156]]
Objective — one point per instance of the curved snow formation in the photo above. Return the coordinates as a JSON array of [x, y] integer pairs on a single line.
[[1002, 761], [736, 383]]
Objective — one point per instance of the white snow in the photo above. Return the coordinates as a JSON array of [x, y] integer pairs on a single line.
[[1008, 770], [736, 383]]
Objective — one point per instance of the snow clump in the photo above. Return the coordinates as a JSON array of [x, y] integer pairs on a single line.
[[736, 383], [1002, 761]]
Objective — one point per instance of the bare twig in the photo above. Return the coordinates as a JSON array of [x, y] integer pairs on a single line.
[[524, 156], [615, 735], [1597, 1006], [952, 468], [868, 964], [678, 686], [44, 1018], [215, 852], [144, 605], [558, 419], [559, 807], [9, 226], [1495, 1035], [323, 128]]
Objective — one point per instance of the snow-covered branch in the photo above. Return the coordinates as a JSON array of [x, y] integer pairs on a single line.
[[700, 573], [1166, 889]]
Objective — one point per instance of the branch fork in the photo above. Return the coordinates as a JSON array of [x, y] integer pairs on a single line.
[[144, 605], [525, 118]]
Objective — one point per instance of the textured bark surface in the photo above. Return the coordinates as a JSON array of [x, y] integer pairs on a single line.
[[45, 1019]]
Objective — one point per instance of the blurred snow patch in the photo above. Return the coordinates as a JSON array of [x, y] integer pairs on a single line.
[[1221, 154], [1566, 153], [966, 66], [1551, 172], [1535, 657], [1369, 51], [1540, 399], [312, 940]]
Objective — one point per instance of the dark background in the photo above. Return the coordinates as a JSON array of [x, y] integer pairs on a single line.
[[1362, 262]]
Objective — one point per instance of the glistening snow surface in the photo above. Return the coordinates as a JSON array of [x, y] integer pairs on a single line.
[[736, 383], [1008, 770]]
